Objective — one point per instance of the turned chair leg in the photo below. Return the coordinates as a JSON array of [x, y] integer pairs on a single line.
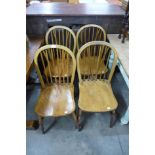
[[75, 119], [79, 119], [41, 122], [113, 119]]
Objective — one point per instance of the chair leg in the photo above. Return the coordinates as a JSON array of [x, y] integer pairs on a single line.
[[113, 119], [119, 36], [79, 119], [41, 122], [75, 119], [123, 40], [125, 33]]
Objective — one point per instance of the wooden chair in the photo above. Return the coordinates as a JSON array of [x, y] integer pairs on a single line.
[[61, 35], [96, 94], [86, 34], [57, 92]]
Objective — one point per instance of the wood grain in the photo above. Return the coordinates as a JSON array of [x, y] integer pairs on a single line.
[[88, 65], [87, 33], [56, 65], [90, 32], [61, 35], [68, 9], [56, 101], [103, 49], [96, 94], [57, 94]]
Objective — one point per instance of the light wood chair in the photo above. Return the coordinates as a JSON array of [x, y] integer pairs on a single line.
[[60, 35], [57, 92], [85, 34], [95, 90]]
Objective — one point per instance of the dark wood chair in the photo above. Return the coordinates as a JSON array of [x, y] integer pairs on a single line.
[[125, 25]]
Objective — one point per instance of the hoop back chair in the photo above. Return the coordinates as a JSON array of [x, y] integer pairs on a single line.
[[61, 35], [87, 33], [57, 92], [96, 94]]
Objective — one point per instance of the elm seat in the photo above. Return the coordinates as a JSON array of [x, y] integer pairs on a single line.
[[56, 101], [98, 96]]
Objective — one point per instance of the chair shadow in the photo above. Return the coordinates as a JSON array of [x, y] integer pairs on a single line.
[[50, 126], [85, 117]]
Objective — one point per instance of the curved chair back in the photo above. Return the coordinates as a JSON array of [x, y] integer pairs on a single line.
[[57, 59], [99, 51], [90, 32], [61, 35]]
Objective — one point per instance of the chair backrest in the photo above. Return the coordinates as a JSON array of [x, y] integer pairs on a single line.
[[100, 51], [61, 35], [47, 57], [90, 32]]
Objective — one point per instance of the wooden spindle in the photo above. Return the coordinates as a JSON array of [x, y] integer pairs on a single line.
[[69, 41], [101, 60], [96, 37], [100, 35], [48, 63], [52, 39], [63, 65], [59, 37], [93, 34], [43, 55], [54, 32], [54, 63], [85, 35], [89, 35], [67, 35], [94, 60], [81, 38], [59, 66], [67, 68], [63, 37]]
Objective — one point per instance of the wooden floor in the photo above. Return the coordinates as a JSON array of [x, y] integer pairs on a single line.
[[122, 49]]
